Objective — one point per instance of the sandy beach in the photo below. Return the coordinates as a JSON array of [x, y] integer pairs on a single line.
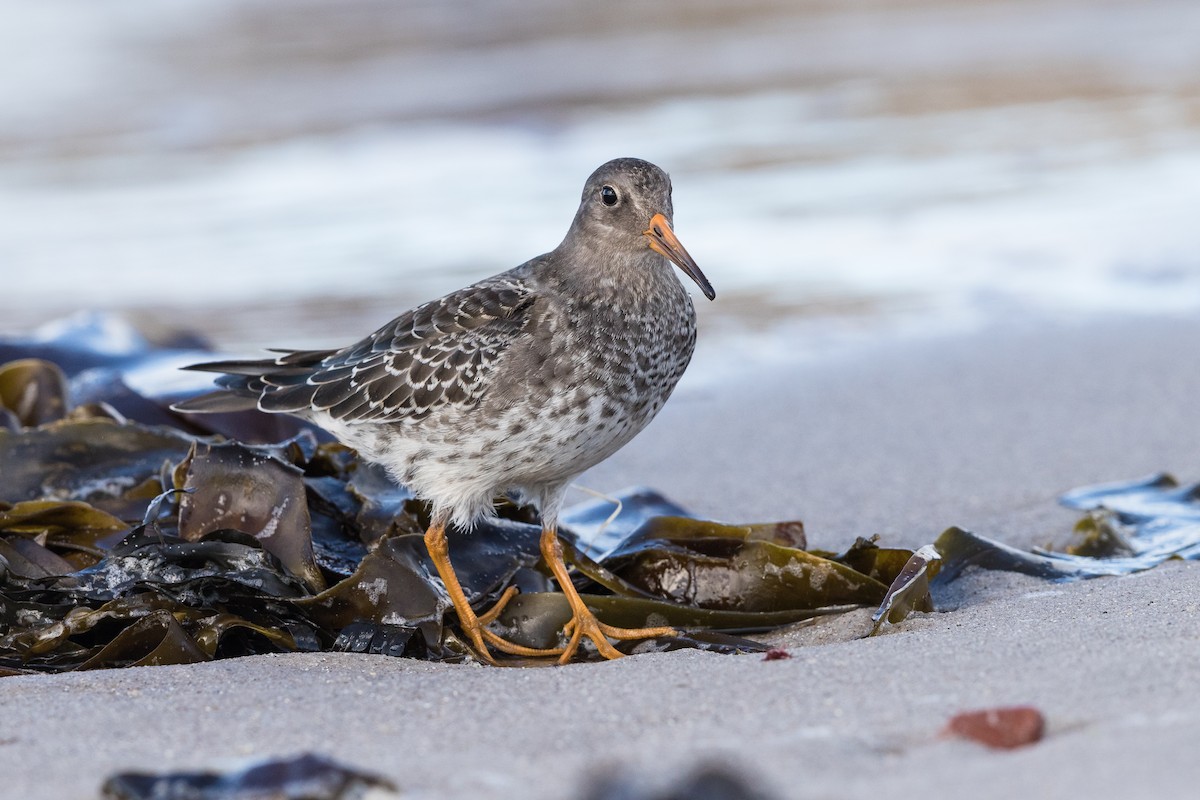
[[899, 438], [932, 227]]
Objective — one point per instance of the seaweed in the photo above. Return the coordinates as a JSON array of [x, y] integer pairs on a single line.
[[733, 567], [127, 541], [304, 777], [910, 589], [32, 392], [1126, 527], [707, 782], [232, 486]]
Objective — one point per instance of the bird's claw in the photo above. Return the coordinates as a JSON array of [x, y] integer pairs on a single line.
[[584, 623], [481, 637]]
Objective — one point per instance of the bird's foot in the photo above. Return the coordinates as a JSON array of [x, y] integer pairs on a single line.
[[476, 629], [584, 623]]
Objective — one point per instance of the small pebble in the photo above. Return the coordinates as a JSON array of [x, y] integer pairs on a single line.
[[1000, 728]]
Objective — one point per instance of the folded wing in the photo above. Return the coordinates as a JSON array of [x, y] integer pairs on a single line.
[[442, 353]]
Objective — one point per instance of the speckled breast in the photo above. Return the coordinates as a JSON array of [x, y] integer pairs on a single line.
[[602, 383]]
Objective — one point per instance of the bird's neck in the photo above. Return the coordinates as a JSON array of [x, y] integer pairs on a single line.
[[617, 276]]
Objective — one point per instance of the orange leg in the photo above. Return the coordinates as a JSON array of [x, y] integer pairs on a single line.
[[583, 621], [474, 626]]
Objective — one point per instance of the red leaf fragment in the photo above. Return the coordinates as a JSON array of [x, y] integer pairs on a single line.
[[1000, 728]]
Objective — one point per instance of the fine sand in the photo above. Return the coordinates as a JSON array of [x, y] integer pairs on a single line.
[[903, 439]]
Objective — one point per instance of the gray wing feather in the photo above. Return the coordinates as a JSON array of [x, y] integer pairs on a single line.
[[442, 353]]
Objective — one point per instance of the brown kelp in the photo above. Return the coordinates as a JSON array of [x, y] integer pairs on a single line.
[[305, 777], [131, 542], [128, 537]]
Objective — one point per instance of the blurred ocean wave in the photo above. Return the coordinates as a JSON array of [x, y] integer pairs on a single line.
[[291, 173]]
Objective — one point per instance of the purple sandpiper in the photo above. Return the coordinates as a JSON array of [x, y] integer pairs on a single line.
[[515, 384]]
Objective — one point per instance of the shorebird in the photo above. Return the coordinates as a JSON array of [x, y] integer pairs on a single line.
[[515, 384]]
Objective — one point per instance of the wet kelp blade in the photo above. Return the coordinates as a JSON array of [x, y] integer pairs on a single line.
[[153, 640], [380, 639], [56, 518], [1141, 522], [1099, 534], [961, 549], [30, 559], [604, 523], [97, 461], [304, 777], [957, 550], [66, 636], [225, 585], [395, 584], [222, 563], [156, 599], [55, 537], [683, 528], [700, 576], [392, 586], [385, 508], [884, 564], [1127, 527], [229, 486], [32, 392], [1158, 495], [713, 566], [910, 590], [536, 619]]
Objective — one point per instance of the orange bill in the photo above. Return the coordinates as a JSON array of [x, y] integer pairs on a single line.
[[663, 241]]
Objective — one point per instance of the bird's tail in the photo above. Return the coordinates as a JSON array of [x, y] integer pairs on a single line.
[[215, 403], [243, 382]]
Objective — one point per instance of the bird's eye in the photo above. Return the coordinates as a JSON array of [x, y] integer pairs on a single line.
[[609, 196]]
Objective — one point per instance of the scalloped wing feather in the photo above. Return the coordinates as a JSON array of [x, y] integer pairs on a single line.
[[441, 353]]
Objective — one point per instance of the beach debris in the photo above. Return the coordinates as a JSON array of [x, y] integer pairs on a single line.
[[128, 537], [32, 392], [112, 466], [910, 590], [776, 654], [304, 777], [1127, 527], [378, 638], [999, 728], [230, 486], [1138, 523], [729, 568], [130, 543], [528, 617], [719, 782], [961, 549]]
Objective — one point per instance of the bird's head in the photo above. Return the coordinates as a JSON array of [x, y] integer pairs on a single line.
[[626, 205]]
